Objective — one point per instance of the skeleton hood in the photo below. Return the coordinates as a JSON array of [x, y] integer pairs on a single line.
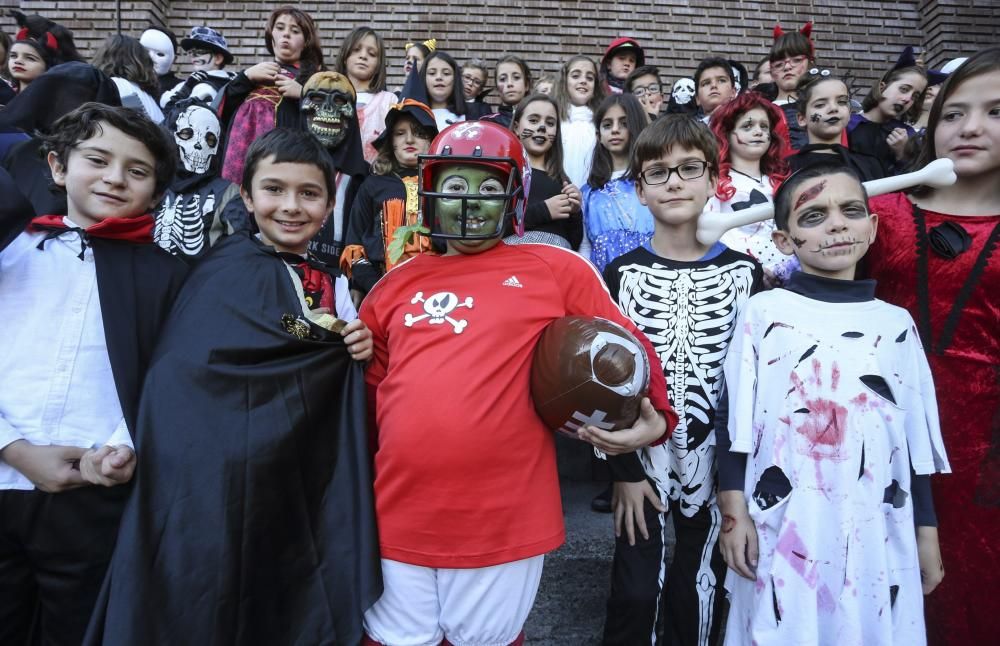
[[347, 155], [197, 132]]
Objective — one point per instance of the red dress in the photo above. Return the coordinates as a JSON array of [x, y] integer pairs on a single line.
[[956, 304]]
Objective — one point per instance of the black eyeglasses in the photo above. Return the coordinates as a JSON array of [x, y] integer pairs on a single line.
[[653, 88], [661, 174]]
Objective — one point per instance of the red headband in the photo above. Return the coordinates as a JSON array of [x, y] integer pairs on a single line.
[[49, 41]]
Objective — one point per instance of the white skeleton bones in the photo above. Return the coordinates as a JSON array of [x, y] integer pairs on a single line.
[[437, 308]]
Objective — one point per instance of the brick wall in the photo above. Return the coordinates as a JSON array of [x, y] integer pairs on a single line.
[[675, 34]]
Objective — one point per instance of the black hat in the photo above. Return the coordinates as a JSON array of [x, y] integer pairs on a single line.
[[202, 37], [408, 107]]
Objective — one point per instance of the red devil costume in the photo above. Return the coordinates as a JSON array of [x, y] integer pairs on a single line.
[[958, 315]]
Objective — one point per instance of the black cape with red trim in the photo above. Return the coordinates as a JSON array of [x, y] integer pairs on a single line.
[[252, 518]]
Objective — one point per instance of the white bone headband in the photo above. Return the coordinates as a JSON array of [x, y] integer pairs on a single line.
[[712, 224]]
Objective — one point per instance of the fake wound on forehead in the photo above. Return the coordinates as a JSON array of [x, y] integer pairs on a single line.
[[810, 193]]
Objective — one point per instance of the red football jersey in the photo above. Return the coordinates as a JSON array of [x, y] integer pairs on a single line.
[[465, 470]]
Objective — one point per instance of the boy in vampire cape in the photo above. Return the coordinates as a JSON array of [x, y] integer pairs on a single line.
[[252, 518], [82, 298]]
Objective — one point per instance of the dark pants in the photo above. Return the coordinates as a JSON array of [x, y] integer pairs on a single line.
[[682, 606], [54, 551]]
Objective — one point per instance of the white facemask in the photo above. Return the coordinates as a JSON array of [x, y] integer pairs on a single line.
[[197, 136], [161, 50], [683, 91]]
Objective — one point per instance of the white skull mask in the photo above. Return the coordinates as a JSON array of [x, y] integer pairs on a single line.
[[737, 79], [161, 50], [197, 136], [683, 91]]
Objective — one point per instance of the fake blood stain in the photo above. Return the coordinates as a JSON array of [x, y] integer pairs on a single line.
[[824, 428]]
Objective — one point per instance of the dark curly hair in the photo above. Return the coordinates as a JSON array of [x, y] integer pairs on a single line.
[[87, 121]]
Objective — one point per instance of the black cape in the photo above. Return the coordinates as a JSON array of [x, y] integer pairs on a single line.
[[136, 284], [252, 518]]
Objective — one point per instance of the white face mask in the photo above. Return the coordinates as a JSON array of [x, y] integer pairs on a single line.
[[737, 80], [683, 91], [161, 50], [197, 136]]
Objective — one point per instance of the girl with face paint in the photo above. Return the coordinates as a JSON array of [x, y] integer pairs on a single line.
[[936, 255], [753, 144], [553, 202], [824, 109], [880, 129], [267, 94], [578, 93]]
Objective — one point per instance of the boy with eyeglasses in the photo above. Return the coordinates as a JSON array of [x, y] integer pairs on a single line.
[[684, 296], [644, 84], [475, 76], [791, 55]]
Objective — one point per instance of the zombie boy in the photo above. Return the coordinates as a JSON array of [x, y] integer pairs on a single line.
[[329, 111], [190, 218], [834, 430], [483, 466]]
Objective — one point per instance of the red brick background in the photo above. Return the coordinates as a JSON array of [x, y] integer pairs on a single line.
[[859, 37]]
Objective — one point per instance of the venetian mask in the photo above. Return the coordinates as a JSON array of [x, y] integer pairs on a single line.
[[160, 49], [197, 136], [683, 91]]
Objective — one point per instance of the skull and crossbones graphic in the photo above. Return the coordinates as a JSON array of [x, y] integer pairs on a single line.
[[437, 308]]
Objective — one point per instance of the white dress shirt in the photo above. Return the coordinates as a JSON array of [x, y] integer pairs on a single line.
[[56, 385]]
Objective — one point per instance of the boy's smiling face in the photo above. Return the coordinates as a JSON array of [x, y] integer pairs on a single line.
[[289, 202], [829, 227], [109, 175], [676, 201]]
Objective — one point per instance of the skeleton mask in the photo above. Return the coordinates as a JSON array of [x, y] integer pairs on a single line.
[[737, 79], [197, 136], [683, 91], [160, 49], [328, 106]]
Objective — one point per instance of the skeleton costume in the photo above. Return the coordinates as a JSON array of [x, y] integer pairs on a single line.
[[836, 399], [682, 97], [329, 112], [687, 310], [189, 218]]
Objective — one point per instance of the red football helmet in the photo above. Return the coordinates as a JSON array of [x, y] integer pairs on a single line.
[[476, 143]]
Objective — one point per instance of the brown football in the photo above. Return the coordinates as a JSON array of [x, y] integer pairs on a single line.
[[588, 371]]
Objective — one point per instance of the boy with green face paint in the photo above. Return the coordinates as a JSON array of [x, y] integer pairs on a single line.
[[467, 495]]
